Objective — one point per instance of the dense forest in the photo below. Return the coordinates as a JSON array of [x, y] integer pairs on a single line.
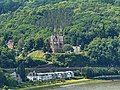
[[93, 24]]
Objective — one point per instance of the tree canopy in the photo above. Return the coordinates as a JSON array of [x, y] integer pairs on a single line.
[[93, 24]]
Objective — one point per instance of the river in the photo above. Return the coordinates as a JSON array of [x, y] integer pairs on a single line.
[[112, 85]]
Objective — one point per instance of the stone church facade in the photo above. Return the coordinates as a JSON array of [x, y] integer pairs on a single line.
[[56, 41]]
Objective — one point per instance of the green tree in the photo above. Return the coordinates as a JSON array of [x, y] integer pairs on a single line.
[[2, 78], [21, 71], [30, 44], [67, 48], [20, 44], [39, 44]]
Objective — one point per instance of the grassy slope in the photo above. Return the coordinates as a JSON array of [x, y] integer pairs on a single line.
[[56, 85], [37, 55]]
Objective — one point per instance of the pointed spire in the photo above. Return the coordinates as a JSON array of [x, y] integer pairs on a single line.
[[60, 28], [54, 28], [60, 32], [54, 32]]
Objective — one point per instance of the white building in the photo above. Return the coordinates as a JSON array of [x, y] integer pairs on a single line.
[[33, 76], [16, 77], [10, 44], [76, 49]]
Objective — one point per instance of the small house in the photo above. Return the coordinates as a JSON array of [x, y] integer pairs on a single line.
[[16, 77]]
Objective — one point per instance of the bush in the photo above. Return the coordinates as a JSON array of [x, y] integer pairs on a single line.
[[92, 72], [6, 80]]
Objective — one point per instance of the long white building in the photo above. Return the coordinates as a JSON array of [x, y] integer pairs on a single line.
[[33, 76]]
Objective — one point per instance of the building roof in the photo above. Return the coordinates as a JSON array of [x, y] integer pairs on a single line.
[[13, 74]]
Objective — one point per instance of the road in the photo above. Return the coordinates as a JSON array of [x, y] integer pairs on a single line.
[[52, 69]]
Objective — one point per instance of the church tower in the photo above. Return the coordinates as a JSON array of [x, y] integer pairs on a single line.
[[56, 41], [61, 39]]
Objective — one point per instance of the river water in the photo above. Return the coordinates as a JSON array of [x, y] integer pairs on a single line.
[[112, 85]]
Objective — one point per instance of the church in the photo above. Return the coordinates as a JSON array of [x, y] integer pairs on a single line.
[[56, 41]]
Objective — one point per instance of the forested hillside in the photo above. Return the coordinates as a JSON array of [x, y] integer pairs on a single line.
[[93, 24]]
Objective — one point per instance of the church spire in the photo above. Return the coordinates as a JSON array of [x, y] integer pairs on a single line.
[[54, 32], [60, 32]]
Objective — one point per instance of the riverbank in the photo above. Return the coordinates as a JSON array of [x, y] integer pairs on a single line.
[[63, 84]]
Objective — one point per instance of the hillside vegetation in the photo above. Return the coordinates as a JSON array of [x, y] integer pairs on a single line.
[[93, 24], [37, 55]]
